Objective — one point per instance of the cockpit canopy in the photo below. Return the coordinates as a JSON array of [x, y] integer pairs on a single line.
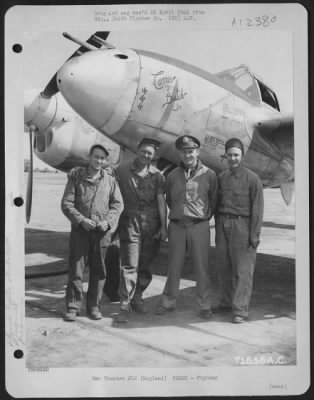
[[250, 85]]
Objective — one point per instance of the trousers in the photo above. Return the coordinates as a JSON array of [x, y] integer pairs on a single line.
[[196, 239], [112, 262], [86, 247], [236, 263], [138, 248]]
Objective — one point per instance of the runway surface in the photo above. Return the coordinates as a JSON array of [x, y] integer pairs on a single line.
[[179, 339]]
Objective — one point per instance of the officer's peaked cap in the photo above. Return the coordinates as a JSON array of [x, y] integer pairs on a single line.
[[234, 142], [187, 142], [149, 141]]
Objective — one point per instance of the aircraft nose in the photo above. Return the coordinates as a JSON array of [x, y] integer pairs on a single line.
[[101, 86]]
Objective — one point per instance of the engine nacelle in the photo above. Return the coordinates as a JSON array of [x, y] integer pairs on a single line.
[[62, 138], [66, 145]]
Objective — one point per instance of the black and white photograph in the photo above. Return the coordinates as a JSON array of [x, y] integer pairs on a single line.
[[156, 200]]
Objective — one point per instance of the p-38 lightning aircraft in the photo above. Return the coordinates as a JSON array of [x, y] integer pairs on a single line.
[[125, 95]]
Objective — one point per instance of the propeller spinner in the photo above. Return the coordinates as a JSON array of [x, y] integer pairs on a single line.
[[39, 110], [96, 41]]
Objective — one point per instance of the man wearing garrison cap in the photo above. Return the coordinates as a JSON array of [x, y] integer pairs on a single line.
[[142, 225], [191, 193], [238, 227]]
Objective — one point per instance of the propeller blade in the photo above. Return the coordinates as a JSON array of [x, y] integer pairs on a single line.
[[52, 87], [287, 191], [97, 40], [29, 191]]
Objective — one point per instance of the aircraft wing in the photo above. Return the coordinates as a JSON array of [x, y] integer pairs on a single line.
[[97, 40]]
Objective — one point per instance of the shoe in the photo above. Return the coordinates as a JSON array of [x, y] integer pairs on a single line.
[[114, 298], [70, 316], [139, 308], [163, 310], [221, 309], [94, 315], [237, 319], [206, 314], [122, 317]]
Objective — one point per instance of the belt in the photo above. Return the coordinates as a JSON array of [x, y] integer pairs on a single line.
[[190, 221], [140, 207], [141, 210], [232, 216]]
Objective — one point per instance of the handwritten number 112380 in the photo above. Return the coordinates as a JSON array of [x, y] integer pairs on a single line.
[[263, 21]]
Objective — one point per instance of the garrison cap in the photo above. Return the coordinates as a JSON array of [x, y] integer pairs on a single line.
[[98, 146], [149, 141], [187, 142], [234, 142]]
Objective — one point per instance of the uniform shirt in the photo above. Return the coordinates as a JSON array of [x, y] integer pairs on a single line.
[[98, 199], [241, 193], [139, 193], [192, 197]]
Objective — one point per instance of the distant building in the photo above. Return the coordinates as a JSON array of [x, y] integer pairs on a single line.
[[40, 168]]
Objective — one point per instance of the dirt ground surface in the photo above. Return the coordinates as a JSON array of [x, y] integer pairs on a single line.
[[178, 339]]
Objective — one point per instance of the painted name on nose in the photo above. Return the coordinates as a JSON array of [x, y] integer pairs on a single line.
[[161, 81]]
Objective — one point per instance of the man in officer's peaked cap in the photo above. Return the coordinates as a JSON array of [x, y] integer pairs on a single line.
[[191, 192]]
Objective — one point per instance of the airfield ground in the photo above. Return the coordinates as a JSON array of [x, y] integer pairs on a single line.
[[180, 339]]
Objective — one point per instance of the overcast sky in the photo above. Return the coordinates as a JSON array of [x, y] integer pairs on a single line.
[[268, 53]]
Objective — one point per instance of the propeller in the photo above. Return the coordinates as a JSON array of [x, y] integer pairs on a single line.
[[97, 40], [29, 190], [39, 111]]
